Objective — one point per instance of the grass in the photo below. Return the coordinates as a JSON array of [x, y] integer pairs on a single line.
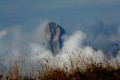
[[78, 69]]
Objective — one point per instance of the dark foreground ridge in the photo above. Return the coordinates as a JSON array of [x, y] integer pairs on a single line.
[[53, 36]]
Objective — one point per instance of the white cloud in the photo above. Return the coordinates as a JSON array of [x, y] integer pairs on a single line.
[[40, 32], [74, 41], [38, 52], [3, 33], [71, 47]]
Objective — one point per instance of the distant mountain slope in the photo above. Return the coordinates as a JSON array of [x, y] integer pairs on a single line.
[[53, 36]]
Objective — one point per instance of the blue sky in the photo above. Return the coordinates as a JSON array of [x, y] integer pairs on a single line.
[[99, 19], [28, 13]]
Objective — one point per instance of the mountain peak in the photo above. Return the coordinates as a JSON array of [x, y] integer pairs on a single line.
[[53, 34]]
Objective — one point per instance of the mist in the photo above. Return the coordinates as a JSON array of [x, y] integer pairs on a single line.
[[15, 42]]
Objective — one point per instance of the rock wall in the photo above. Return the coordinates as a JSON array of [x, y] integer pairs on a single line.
[[53, 36]]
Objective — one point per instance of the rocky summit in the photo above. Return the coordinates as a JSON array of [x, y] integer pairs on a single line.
[[53, 34]]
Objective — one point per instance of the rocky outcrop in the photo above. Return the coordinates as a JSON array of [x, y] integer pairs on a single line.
[[53, 36]]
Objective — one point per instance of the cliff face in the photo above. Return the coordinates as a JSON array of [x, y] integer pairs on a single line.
[[53, 36]]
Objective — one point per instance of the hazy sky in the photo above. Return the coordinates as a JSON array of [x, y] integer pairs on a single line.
[[98, 19], [28, 13]]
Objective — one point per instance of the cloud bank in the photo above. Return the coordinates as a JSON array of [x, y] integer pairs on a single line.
[[29, 45]]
